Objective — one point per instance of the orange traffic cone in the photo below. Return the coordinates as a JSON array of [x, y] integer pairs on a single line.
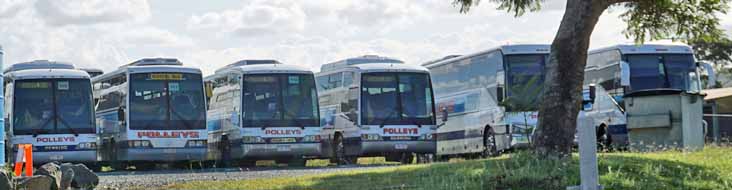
[[24, 156]]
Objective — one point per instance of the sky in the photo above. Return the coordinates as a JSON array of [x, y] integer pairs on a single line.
[[309, 33]]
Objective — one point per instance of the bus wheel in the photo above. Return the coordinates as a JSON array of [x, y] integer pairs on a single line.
[[407, 158], [425, 158], [248, 163], [144, 166], [339, 152], [604, 140], [489, 144], [297, 162]]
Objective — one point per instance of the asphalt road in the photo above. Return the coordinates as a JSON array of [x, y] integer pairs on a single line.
[[142, 179]]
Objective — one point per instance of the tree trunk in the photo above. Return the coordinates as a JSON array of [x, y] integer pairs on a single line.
[[562, 93]]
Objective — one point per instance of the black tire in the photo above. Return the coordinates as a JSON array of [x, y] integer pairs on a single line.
[[604, 140], [297, 162], [248, 163], [144, 166], [407, 158], [225, 152], [425, 158], [489, 144], [339, 152]]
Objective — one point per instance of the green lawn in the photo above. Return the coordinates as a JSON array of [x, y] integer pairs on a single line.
[[708, 169]]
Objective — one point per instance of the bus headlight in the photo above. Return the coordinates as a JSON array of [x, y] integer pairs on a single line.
[[252, 139], [87, 145], [370, 137], [139, 144], [311, 138], [427, 137], [196, 143]]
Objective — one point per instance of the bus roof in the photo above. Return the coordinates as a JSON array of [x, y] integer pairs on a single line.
[[39, 64], [516, 49], [366, 59], [47, 74], [260, 69], [677, 48], [378, 67], [149, 65], [248, 62]]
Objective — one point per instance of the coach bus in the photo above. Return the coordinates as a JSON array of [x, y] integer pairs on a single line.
[[634, 88], [376, 106], [264, 110], [151, 111], [488, 99], [49, 105]]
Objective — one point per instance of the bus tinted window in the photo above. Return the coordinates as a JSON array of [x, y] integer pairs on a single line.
[[52, 106], [166, 101], [396, 99], [279, 100], [525, 75], [660, 71]]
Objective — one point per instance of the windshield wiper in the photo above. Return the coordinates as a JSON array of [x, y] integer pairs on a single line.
[[274, 114], [67, 126], [294, 118], [185, 122], [381, 125], [35, 131]]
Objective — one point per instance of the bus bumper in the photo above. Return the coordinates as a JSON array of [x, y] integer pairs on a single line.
[[266, 151], [85, 156], [162, 154], [382, 147]]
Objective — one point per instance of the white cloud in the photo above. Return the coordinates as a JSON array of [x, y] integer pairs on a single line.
[[88, 12], [254, 19], [9, 8]]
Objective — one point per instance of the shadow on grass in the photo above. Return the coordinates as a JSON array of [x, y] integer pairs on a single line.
[[527, 171]]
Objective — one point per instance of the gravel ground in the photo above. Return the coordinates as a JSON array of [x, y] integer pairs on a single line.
[[126, 179]]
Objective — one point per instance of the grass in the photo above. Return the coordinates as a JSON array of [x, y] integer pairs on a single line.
[[707, 169]]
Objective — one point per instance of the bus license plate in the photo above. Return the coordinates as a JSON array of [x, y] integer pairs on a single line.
[[400, 146], [57, 157], [282, 140], [283, 148], [169, 151]]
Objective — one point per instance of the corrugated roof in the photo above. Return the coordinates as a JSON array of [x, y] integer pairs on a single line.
[[717, 93]]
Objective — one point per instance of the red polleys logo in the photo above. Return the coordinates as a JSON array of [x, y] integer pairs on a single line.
[[55, 139], [401, 131]]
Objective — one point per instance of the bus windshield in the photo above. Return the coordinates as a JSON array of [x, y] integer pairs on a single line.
[[652, 71], [525, 78], [396, 99], [166, 101], [52, 106], [279, 100]]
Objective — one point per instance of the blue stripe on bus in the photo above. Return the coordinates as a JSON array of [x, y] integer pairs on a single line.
[[456, 135], [617, 129]]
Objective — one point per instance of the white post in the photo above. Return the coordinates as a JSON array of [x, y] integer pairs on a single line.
[[587, 140]]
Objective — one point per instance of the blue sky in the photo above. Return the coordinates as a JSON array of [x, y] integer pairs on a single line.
[[210, 34]]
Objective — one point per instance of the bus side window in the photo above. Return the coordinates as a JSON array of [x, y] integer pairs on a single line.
[[347, 78]]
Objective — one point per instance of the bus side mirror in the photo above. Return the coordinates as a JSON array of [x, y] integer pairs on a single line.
[[593, 93], [352, 116], [712, 78], [121, 114], [499, 94], [444, 114], [624, 74]]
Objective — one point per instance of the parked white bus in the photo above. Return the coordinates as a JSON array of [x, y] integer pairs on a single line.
[[646, 74], [49, 105], [489, 97], [151, 110], [376, 106], [263, 110]]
